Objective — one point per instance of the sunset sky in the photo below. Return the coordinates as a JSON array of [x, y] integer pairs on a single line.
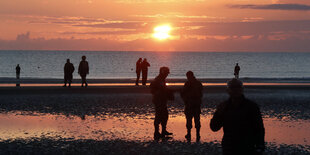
[[129, 25]]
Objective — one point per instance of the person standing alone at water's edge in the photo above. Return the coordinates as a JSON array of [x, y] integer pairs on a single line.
[[192, 97], [17, 71], [236, 72], [161, 95], [68, 70], [242, 123], [138, 70], [83, 70], [144, 68]]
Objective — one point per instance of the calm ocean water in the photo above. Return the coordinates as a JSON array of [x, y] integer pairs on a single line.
[[49, 64]]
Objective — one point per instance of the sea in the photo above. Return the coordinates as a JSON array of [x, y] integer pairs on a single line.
[[113, 64]]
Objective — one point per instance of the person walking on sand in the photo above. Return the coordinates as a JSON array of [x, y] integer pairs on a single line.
[[161, 95], [242, 123], [192, 97], [144, 68], [17, 71], [83, 70], [138, 70], [236, 72], [68, 70]]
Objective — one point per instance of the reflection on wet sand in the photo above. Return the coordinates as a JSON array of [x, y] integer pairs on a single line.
[[15, 125]]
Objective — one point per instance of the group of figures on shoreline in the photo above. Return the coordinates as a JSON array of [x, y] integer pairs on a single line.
[[239, 117]]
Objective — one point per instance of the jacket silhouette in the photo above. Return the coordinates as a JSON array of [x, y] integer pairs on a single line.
[[242, 124], [68, 71], [138, 70], [83, 70], [161, 94], [144, 68], [192, 97]]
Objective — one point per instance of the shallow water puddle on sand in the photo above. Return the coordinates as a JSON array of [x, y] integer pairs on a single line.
[[16, 125]]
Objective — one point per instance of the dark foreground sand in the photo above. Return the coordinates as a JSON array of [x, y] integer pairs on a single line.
[[283, 102]]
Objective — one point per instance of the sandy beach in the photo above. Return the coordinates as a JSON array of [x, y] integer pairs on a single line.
[[285, 105]]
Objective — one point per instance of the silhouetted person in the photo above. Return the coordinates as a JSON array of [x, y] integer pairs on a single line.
[[144, 68], [236, 72], [161, 95], [17, 71], [192, 96], [17, 75], [68, 70], [83, 70], [138, 70], [242, 123]]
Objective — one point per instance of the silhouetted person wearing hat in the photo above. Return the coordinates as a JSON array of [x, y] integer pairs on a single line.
[[138, 70], [161, 95], [242, 123], [192, 96], [68, 70], [144, 68], [236, 72], [83, 70]]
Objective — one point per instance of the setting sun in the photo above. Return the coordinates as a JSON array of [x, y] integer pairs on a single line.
[[162, 32]]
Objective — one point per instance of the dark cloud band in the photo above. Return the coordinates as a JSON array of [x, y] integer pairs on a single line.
[[299, 7]]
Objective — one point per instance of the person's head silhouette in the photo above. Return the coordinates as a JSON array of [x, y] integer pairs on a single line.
[[237, 64], [190, 75], [83, 57], [68, 60], [140, 59], [164, 71], [235, 88]]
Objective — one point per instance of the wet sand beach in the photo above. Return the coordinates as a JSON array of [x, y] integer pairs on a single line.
[[119, 120]]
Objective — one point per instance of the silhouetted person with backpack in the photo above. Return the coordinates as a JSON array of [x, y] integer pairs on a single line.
[[68, 70], [144, 68], [236, 71], [83, 70], [242, 123], [192, 97], [161, 95], [138, 70]]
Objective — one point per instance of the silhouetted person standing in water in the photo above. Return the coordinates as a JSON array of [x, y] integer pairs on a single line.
[[237, 69], [83, 70], [242, 123], [144, 68], [161, 95], [17, 71], [68, 70], [138, 70], [192, 96]]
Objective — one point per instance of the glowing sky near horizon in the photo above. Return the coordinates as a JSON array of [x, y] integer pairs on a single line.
[[196, 25]]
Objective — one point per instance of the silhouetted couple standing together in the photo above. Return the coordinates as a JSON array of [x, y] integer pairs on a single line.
[[69, 69], [142, 66]]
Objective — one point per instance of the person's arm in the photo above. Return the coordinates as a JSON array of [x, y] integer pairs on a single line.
[[217, 120]]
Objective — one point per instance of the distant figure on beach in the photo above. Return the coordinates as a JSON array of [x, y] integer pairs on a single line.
[[83, 70], [192, 97], [68, 70], [17, 71], [237, 69], [161, 95], [242, 123], [144, 68], [138, 70]]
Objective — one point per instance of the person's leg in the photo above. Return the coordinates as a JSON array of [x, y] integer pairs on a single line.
[[189, 118], [85, 81], [65, 81], [82, 76], [138, 77], [164, 122], [156, 125], [197, 126]]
